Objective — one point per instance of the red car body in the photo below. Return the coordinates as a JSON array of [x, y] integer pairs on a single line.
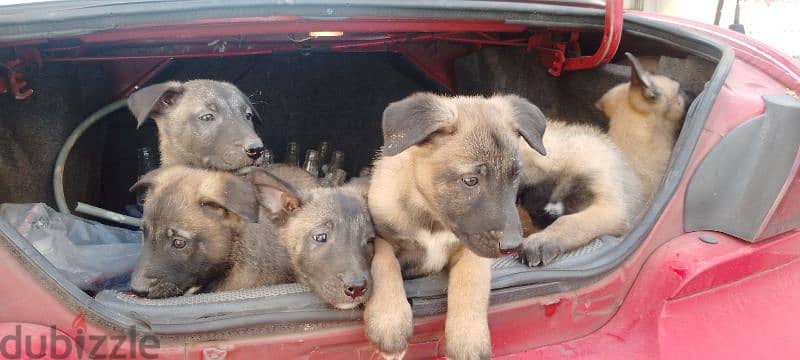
[[675, 297]]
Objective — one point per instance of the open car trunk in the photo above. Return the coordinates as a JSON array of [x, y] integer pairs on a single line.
[[313, 90]]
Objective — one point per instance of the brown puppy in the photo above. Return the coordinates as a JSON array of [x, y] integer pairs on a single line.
[[443, 196], [201, 234], [644, 117], [592, 190], [205, 231], [201, 123]]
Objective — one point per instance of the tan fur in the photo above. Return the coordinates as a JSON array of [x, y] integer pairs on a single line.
[[387, 316], [643, 129], [399, 198], [467, 329], [575, 150]]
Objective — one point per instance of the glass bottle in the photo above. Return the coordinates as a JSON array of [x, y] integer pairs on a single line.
[[267, 158], [339, 177], [337, 161], [292, 156], [146, 163], [311, 164]]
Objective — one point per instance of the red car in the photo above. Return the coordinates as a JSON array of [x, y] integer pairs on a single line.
[[710, 271]]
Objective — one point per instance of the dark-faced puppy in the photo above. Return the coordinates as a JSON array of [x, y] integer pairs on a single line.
[[201, 123], [644, 118], [201, 234], [328, 233], [443, 195]]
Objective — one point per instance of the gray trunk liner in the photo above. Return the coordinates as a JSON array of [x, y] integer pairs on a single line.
[[294, 302]]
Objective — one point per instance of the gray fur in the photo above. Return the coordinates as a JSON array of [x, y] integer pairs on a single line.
[[336, 270], [186, 135]]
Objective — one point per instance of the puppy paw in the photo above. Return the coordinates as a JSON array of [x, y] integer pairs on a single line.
[[540, 251], [385, 356], [388, 325], [472, 348]]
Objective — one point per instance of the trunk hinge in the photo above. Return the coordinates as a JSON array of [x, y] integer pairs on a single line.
[[13, 81], [553, 53]]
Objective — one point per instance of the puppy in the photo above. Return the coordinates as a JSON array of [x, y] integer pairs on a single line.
[[201, 123], [645, 116], [202, 233], [442, 195], [591, 190], [207, 231], [327, 231]]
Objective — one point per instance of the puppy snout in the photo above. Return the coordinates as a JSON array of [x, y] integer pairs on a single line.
[[254, 150], [140, 285], [355, 286]]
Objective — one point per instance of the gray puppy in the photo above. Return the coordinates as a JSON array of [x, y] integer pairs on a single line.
[[327, 231], [201, 123]]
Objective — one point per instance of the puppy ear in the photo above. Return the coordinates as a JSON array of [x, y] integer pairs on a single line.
[[147, 180], [273, 193], [153, 99], [529, 122], [232, 194], [412, 120], [641, 80]]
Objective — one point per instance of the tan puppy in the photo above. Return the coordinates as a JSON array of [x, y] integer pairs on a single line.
[[595, 190], [442, 196], [644, 117]]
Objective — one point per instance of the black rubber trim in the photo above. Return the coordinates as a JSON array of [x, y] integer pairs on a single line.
[[742, 176], [60, 19], [526, 283]]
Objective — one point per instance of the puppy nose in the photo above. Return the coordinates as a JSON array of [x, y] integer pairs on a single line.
[[511, 250], [508, 245], [254, 151], [355, 286], [140, 292]]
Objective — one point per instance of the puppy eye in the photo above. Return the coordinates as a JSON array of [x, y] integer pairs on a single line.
[[178, 243], [470, 180], [249, 116], [321, 238], [207, 117]]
